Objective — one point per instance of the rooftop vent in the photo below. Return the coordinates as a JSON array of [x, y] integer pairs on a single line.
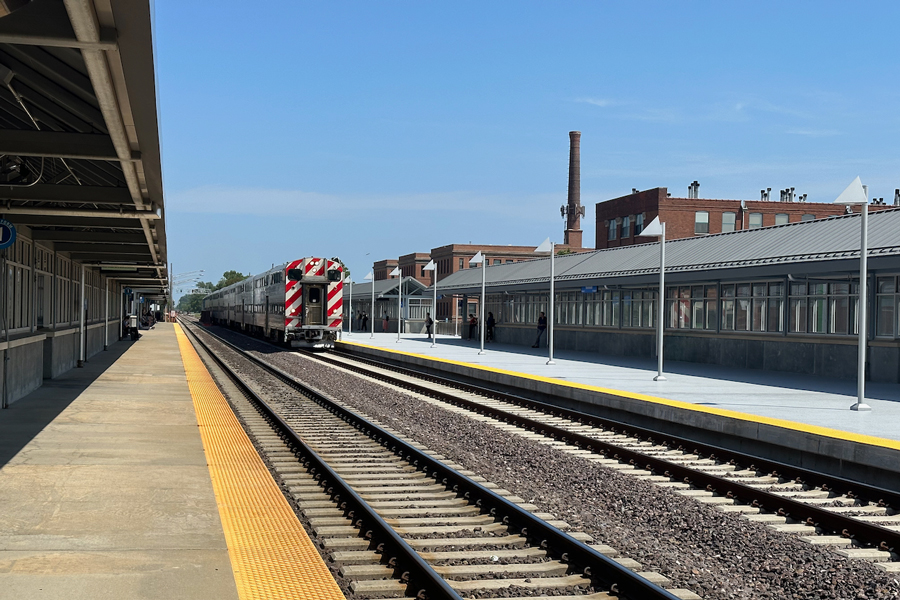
[[764, 194], [694, 190], [897, 197], [634, 190]]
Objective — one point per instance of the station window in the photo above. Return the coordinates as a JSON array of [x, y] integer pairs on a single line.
[[887, 303], [701, 222], [638, 308], [756, 220], [612, 229], [626, 227], [808, 218], [497, 261], [824, 307], [781, 219], [691, 307], [727, 222], [462, 264], [639, 224]]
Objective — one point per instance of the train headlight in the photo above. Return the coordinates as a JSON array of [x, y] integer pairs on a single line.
[[334, 275]]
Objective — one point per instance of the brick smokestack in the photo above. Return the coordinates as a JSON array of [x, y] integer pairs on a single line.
[[573, 211]]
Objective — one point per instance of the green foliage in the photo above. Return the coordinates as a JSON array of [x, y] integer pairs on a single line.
[[565, 251], [229, 277], [190, 303]]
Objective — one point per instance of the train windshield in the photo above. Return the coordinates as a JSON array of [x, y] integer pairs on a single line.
[[315, 295], [295, 274]]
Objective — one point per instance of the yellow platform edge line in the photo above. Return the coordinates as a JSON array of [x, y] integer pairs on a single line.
[[271, 555], [783, 423]]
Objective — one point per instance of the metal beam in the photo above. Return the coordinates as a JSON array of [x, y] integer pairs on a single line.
[[99, 257], [83, 237], [121, 249], [58, 144], [67, 193], [53, 221], [80, 212], [46, 23]]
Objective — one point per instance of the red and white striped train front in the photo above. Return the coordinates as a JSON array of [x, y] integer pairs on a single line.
[[313, 299]]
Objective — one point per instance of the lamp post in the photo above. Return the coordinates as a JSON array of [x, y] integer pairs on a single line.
[[658, 229], [371, 279], [548, 246], [855, 194], [398, 273], [480, 258], [433, 268]]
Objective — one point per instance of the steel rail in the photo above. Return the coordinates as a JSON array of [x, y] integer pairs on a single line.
[[581, 558], [863, 533], [422, 580]]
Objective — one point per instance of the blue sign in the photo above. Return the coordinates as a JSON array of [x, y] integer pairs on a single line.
[[7, 234], [589, 290]]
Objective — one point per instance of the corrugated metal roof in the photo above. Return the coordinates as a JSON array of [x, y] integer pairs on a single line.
[[809, 241]]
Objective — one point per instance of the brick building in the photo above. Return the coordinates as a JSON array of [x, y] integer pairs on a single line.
[[382, 269], [413, 265], [618, 221]]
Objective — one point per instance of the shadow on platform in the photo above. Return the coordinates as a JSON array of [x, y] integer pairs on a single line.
[[27, 417]]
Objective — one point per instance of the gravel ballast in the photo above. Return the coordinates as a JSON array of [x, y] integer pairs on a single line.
[[696, 546]]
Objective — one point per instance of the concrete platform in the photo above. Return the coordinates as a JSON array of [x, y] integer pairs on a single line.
[[104, 485], [808, 418]]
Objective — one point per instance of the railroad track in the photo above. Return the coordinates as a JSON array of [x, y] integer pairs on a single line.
[[857, 520], [401, 520]]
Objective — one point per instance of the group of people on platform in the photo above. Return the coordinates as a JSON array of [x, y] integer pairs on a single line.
[[362, 321]]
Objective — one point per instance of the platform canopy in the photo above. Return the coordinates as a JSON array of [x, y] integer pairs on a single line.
[[79, 137]]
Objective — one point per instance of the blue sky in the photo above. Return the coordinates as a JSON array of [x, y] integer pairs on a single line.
[[373, 129]]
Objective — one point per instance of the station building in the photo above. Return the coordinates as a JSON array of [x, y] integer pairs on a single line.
[[781, 298], [620, 220], [81, 185]]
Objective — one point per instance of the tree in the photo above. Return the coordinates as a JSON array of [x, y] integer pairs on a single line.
[[190, 303], [229, 277]]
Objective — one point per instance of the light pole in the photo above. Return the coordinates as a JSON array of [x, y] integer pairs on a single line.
[[371, 279], [548, 246], [855, 194], [433, 268], [480, 258], [398, 273], [658, 229]]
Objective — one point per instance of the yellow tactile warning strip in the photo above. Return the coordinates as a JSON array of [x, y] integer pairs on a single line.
[[793, 425], [271, 555]]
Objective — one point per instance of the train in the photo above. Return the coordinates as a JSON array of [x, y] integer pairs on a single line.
[[299, 303]]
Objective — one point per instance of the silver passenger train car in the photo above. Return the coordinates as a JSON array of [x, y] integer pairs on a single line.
[[300, 302]]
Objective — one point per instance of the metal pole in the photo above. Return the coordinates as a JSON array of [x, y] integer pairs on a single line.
[[373, 303], [81, 322], [399, 306], [552, 303], [660, 323], [106, 316], [484, 261], [434, 310], [4, 402], [861, 322]]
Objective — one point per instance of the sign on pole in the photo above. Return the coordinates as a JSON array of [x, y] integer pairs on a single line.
[[7, 234]]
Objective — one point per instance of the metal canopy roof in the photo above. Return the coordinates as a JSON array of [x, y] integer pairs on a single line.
[[386, 288], [79, 137], [823, 245]]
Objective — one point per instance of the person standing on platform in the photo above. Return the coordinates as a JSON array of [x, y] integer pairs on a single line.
[[385, 322], [365, 320], [473, 326], [489, 332], [542, 325], [429, 323]]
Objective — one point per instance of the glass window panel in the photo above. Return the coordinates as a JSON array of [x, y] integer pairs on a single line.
[[742, 315], [798, 315], [885, 310], [626, 226], [727, 222], [742, 289], [639, 224], [798, 289], [759, 289], [612, 229], [728, 314], [711, 313], [887, 285], [817, 289], [840, 315], [781, 219], [701, 221], [697, 291], [697, 316], [840, 288], [817, 315], [758, 318], [808, 218], [775, 316], [756, 220], [728, 291]]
